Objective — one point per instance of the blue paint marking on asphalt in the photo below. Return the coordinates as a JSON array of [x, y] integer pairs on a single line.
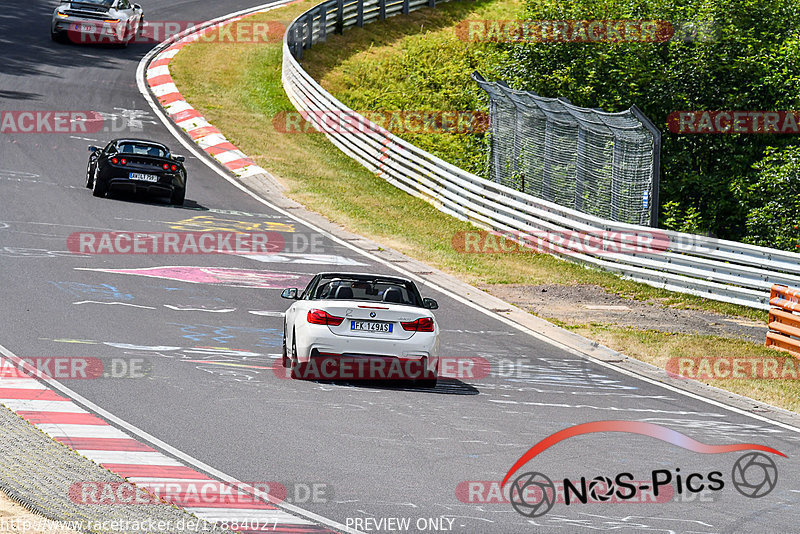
[[203, 333], [96, 291]]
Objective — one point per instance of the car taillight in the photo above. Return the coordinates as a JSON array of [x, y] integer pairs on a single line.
[[165, 166], [114, 161], [423, 324], [323, 317], [123, 161], [174, 168]]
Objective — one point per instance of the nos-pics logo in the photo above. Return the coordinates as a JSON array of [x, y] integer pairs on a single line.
[[533, 494]]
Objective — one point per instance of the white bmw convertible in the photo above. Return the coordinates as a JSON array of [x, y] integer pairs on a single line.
[[347, 326]]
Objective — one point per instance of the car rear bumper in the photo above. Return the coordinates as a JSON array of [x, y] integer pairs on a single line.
[[100, 31], [161, 188], [420, 345], [330, 366]]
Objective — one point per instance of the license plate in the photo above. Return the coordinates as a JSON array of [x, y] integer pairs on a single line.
[[144, 177], [370, 326], [89, 28]]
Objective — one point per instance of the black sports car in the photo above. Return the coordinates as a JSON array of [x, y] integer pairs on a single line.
[[136, 165]]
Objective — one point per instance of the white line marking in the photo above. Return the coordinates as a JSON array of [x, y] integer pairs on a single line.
[[115, 304]]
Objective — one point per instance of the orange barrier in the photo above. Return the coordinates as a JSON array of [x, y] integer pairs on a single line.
[[784, 326]]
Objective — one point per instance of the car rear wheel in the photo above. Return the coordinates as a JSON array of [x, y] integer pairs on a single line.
[[89, 178], [178, 197], [99, 188], [298, 368], [57, 36], [285, 358]]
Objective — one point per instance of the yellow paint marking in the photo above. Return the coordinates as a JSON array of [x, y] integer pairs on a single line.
[[207, 223]]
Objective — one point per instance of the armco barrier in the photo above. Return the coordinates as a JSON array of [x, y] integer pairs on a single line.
[[784, 326], [722, 270]]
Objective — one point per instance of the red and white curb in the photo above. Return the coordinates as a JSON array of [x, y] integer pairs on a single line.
[[188, 119], [94, 438]]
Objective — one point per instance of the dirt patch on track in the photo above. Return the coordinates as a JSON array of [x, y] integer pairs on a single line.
[[590, 304]]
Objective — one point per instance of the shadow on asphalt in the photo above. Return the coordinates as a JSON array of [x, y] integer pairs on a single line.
[[148, 200], [445, 386]]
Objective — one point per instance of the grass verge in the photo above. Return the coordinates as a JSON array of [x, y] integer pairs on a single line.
[[237, 86]]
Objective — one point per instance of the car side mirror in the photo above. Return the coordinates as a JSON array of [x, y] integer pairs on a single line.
[[93, 148], [180, 158], [290, 293], [430, 304]]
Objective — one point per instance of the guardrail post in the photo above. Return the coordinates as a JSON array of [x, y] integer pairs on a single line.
[[339, 16], [323, 24], [360, 14], [382, 9], [298, 45], [405, 7], [431, 3], [308, 38]]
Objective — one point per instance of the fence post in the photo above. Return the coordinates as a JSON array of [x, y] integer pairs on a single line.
[[360, 14], [323, 24], [656, 162], [405, 7], [308, 39], [339, 16], [382, 9], [431, 3], [298, 45]]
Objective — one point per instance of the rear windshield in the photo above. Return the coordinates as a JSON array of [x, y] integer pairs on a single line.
[[375, 290], [142, 149]]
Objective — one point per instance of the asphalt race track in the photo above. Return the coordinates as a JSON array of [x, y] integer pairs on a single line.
[[375, 452]]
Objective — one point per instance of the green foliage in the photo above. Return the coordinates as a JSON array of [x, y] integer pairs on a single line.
[[773, 197], [752, 62]]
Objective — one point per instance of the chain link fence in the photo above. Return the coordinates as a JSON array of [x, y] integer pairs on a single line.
[[603, 164]]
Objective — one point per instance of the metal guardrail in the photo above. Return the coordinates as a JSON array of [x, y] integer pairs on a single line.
[[707, 267]]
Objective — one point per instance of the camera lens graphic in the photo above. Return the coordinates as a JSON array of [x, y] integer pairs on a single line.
[[754, 475], [532, 494]]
